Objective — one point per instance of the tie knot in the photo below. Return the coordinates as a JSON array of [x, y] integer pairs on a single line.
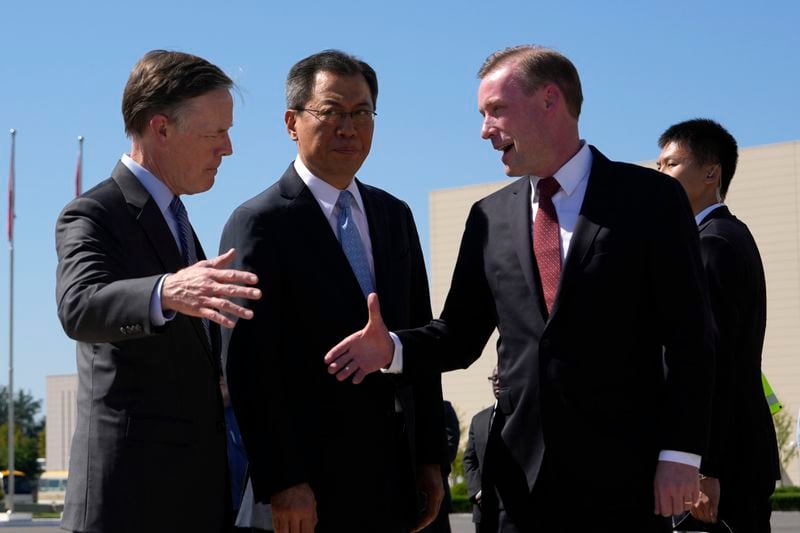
[[547, 187], [177, 207], [345, 199]]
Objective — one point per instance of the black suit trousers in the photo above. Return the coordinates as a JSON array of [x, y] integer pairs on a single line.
[[557, 503]]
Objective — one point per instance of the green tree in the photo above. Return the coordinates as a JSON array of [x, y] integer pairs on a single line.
[[26, 408], [28, 432], [784, 431]]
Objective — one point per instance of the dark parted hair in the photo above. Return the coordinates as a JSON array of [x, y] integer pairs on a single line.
[[539, 66], [162, 81], [301, 78], [708, 142]]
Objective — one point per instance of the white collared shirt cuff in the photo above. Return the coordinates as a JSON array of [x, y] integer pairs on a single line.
[[685, 458], [397, 359], [157, 315]]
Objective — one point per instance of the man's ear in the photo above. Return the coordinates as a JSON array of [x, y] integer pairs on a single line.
[[713, 174], [158, 126], [551, 96], [289, 118]]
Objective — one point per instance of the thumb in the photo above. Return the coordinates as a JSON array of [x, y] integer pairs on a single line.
[[223, 260], [374, 308]]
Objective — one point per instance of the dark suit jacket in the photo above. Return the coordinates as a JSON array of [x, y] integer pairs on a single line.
[[150, 416], [585, 388], [299, 424], [473, 457], [743, 452]]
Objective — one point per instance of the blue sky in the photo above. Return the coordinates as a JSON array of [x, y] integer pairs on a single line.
[[644, 66]]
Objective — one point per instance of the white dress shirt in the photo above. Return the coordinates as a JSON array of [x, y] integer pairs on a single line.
[[326, 196], [573, 178]]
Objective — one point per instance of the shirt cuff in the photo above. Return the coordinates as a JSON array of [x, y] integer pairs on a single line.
[[685, 458], [397, 359], [157, 315]]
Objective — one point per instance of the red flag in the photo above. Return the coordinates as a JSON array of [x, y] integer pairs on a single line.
[[11, 190], [79, 168]]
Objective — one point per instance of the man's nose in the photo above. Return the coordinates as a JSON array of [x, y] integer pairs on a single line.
[[227, 145], [346, 127], [487, 128]]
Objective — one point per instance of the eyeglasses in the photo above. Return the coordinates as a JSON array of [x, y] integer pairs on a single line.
[[361, 117]]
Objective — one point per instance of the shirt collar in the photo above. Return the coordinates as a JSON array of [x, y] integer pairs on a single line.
[[325, 193], [157, 189], [573, 171], [705, 212]]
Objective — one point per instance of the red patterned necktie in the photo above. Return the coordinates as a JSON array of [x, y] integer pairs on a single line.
[[546, 241]]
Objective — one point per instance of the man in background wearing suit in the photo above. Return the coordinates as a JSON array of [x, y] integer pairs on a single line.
[[144, 311], [475, 450], [321, 241], [590, 270], [741, 466]]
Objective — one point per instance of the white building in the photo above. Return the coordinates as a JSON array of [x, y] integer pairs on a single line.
[[61, 406]]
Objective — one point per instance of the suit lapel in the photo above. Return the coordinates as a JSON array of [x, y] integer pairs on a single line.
[[308, 220], [379, 238], [522, 233], [594, 201], [147, 213]]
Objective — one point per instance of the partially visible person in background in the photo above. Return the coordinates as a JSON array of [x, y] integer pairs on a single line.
[[739, 471], [237, 458], [474, 453]]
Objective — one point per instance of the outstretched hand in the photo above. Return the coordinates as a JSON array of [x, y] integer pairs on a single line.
[[364, 351], [204, 288]]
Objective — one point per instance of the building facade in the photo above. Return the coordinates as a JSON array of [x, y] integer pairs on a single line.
[[61, 406]]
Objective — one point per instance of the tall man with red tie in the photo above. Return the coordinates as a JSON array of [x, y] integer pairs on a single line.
[[590, 270]]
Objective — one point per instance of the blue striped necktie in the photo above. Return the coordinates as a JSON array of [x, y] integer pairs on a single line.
[[351, 242], [188, 251]]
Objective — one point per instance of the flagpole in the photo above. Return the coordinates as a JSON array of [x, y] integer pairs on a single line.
[[11, 215], [79, 170]]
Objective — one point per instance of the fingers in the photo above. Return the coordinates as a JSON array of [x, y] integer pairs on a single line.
[[359, 376], [426, 519], [374, 309], [230, 277], [676, 488], [345, 367], [705, 509], [332, 357], [221, 261], [223, 287]]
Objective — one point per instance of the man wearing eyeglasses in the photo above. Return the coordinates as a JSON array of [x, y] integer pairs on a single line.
[[474, 455], [329, 456]]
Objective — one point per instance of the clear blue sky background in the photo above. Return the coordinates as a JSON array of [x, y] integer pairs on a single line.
[[63, 66]]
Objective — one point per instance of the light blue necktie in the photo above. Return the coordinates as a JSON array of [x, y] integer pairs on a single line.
[[351, 242], [188, 251]]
